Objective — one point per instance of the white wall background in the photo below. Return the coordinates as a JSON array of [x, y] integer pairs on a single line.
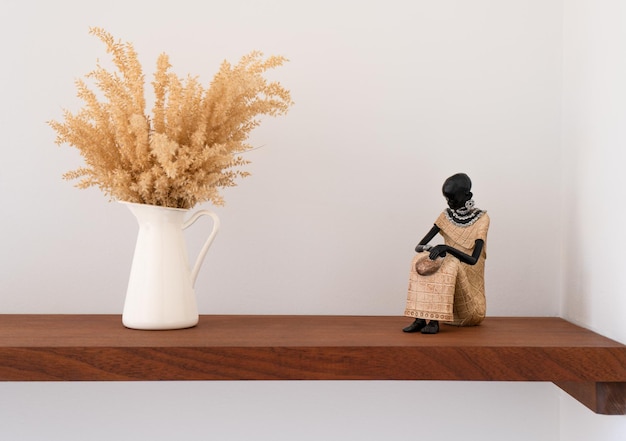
[[594, 135], [391, 98]]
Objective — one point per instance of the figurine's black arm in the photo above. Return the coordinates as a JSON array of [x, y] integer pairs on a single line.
[[429, 236], [441, 250]]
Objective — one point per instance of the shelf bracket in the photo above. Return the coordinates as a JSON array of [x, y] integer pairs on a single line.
[[606, 398]]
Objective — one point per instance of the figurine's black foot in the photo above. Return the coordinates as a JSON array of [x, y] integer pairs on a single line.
[[416, 326], [432, 327]]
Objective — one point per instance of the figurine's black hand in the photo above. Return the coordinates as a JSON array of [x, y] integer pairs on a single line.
[[438, 251]]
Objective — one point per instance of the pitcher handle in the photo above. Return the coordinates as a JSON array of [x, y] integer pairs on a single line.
[[207, 244]]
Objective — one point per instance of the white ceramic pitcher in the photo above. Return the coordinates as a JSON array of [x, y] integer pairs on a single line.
[[160, 291]]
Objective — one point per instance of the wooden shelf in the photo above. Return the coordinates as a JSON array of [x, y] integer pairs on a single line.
[[590, 367]]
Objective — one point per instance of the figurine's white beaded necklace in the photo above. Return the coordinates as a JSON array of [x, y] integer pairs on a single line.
[[465, 216]]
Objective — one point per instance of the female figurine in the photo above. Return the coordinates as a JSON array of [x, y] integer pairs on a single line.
[[447, 282]]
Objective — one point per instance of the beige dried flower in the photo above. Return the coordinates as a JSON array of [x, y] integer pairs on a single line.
[[191, 146]]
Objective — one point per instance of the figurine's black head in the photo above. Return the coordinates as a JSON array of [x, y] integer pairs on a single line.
[[456, 190]]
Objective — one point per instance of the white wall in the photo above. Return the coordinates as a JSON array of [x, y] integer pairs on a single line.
[[594, 116], [391, 98], [302, 411]]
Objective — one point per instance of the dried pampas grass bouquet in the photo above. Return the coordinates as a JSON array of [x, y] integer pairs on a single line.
[[188, 148]]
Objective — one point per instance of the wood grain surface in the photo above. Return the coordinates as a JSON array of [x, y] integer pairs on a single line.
[[228, 347]]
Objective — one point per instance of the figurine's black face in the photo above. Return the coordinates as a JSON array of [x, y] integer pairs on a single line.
[[457, 200], [456, 190]]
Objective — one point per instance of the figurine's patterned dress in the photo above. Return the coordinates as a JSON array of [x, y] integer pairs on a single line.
[[456, 292]]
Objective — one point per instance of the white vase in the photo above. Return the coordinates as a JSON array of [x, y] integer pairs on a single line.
[[160, 291]]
